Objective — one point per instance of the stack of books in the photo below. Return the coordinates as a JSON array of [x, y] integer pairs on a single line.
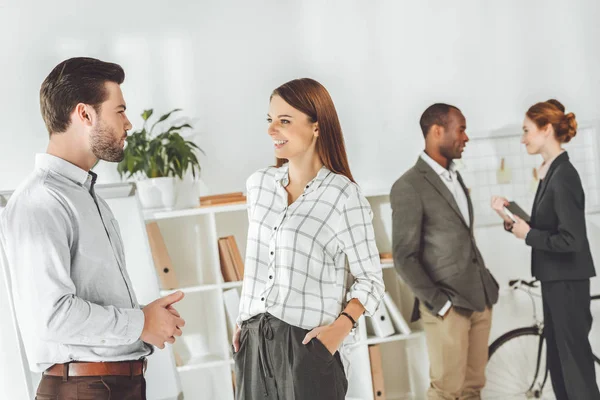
[[386, 258], [222, 199], [232, 265]]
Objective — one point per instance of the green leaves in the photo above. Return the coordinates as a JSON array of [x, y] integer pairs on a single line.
[[147, 114], [164, 117], [164, 154]]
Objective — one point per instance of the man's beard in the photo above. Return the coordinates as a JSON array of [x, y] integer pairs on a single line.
[[105, 145]]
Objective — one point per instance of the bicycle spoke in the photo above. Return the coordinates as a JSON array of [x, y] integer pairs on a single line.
[[511, 370]]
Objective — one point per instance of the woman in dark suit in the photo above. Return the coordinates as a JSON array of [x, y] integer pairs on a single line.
[[560, 252]]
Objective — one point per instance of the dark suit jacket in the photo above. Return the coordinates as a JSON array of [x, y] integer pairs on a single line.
[[558, 238], [434, 248]]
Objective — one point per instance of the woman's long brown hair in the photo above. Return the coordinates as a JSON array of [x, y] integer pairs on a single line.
[[311, 98]]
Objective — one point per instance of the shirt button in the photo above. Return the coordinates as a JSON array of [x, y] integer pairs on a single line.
[[270, 276], [275, 228], [103, 341], [262, 299], [272, 253], [307, 186]]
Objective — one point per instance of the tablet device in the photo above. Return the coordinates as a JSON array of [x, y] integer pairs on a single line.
[[513, 209]]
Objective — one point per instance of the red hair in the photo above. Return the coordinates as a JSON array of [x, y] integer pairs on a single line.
[[553, 112]]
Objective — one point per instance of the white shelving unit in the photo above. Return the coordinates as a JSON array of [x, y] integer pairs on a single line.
[[191, 237]]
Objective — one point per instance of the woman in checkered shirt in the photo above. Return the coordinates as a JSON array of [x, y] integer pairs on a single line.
[[312, 267]]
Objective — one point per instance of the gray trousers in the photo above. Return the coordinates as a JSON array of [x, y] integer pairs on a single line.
[[272, 363]]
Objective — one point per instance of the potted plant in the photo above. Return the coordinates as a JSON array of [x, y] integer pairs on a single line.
[[156, 158]]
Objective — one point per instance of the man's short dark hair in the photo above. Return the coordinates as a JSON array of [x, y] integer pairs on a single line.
[[73, 81], [436, 114]]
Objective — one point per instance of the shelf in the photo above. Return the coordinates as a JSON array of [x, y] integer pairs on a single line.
[[204, 362], [150, 215], [155, 215], [393, 338], [226, 285], [203, 288]]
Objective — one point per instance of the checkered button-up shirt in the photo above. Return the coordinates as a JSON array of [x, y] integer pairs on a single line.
[[306, 260]]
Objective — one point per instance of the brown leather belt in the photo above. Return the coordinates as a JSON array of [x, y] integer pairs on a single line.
[[75, 368]]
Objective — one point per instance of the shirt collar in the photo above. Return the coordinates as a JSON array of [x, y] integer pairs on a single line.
[[62, 167], [282, 176], [437, 167]]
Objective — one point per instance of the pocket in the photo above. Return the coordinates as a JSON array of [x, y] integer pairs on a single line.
[[319, 349], [494, 280], [93, 388], [47, 388]]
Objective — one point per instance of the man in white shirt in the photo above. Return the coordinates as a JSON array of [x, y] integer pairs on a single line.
[[76, 309], [436, 255]]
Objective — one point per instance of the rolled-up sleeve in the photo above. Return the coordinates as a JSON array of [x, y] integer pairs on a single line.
[[357, 240], [37, 239]]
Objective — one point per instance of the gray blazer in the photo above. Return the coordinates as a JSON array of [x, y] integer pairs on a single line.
[[434, 248]]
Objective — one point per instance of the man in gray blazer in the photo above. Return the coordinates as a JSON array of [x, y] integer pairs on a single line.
[[436, 255]]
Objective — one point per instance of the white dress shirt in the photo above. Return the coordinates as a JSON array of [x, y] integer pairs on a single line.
[[63, 249], [450, 178], [299, 258]]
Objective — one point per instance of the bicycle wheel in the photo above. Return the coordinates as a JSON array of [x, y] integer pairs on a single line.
[[517, 367]]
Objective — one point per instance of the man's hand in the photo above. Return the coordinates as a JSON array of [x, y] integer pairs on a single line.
[[161, 321], [236, 338]]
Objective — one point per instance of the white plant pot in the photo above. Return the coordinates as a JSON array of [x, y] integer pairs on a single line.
[[157, 193], [188, 193]]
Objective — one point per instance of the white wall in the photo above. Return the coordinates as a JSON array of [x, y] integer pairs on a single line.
[[382, 61]]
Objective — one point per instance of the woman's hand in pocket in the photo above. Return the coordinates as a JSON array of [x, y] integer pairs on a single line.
[[236, 339], [331, 336]]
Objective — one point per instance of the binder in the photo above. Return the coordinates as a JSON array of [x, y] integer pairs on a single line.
[[381, 323], [397, 318], [160, 256], [377, 373], [227, 265], [238, 262]]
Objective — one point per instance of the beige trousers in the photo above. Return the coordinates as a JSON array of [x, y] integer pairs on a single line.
[[458, 353]]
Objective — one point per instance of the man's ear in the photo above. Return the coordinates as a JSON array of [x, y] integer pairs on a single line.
[[437, 131], [84, 113]]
